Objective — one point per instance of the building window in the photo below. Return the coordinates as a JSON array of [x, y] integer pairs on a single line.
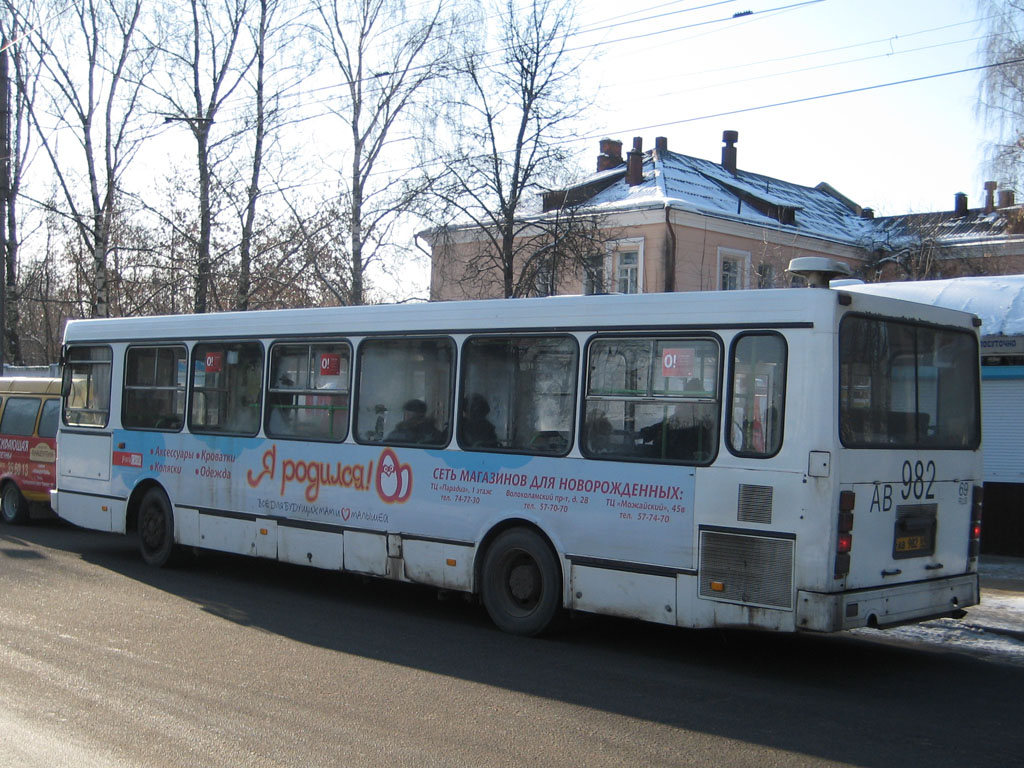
[[627, 272], [620, 270], [733, 269]]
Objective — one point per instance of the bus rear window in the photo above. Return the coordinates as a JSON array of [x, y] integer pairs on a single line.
[[907, 386]]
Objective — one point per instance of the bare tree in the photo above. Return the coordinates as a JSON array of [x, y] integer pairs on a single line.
[[552, 251], [518, 104], [387, 55], [1001, 98], [206, 53], [21, 80], [93, 71]]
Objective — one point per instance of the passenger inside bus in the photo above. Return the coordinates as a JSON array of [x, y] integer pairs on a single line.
[[686, 434], [477, 429], [415, 427]]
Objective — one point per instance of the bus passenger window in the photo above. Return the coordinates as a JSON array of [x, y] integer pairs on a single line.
[[227, 381], [652, 400], [51, 417], [405, 392], [757, 395], [20, 416], [309, 391], [518, 394], [154, 388], [86, 386]]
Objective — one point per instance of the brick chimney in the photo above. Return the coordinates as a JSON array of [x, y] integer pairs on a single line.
[[960, 204], [1005, 198], [990, 196], [611, 154], [635, 162], [661, 144], [729, 150]]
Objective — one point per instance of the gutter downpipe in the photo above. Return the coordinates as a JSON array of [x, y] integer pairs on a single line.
[[670, 255]]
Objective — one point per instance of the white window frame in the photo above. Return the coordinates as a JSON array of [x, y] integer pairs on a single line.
[[742, 261], [611, 264]]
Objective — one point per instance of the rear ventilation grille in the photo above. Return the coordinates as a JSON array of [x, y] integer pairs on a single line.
[[752, 570], [755, 504]]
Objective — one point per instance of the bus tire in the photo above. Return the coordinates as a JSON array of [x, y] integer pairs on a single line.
[[522, 583], [156, 528], [13, 506]]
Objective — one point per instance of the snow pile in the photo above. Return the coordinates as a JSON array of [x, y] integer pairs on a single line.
[[997, 300]]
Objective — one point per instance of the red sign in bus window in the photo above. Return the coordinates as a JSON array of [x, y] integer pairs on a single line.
[[676, 363], [330, 364], [214, 362]]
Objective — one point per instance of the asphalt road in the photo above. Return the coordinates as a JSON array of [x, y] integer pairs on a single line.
[[229, 661]]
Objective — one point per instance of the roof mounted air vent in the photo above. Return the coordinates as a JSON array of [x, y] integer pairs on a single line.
[[818, 270]]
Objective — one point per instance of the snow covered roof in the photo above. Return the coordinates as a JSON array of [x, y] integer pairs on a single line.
[[997, 300], [671, 179], [948, 229]]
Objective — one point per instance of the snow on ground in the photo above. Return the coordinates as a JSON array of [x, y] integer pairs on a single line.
[[992, 630]]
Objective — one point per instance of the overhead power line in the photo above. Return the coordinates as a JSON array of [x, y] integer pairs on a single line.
[[818, 97]]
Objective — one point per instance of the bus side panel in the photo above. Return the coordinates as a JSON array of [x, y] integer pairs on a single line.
[[366, 553], [242, 537], [320, 549], [31, 463], [92, 455], [618, 593], [439, 564], [186, 527], [89, 511]]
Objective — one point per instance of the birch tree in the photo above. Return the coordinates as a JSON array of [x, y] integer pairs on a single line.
[[1001, 96], [519, 100], [387, 54], [205, 66], [94, 67]]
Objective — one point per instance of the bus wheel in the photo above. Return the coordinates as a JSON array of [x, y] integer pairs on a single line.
[[521, 586], [156, 528], [13, 506]]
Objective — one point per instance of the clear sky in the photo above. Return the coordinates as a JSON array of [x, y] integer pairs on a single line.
[[896, 149]]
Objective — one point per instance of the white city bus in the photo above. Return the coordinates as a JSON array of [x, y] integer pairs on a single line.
[[780, 459]]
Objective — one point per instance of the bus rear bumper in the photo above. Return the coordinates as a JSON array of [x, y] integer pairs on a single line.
[[886, 606]]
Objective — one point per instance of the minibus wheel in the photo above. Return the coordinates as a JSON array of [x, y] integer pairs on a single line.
[[13, 506], [156, 528], [521, 585]]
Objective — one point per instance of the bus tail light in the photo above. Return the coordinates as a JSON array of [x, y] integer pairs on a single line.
[[974, 541], [844, 541]]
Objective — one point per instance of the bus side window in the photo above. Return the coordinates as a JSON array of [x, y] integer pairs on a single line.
[[87, 386], [50, 418], [154, 388], [309, 391], [405, 391], [227, 383], [518, 394], [652, 400], [20, 416], [757, 394]]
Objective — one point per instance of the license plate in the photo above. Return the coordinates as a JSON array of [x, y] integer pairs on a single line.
[[911, 543], [914, 533]]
